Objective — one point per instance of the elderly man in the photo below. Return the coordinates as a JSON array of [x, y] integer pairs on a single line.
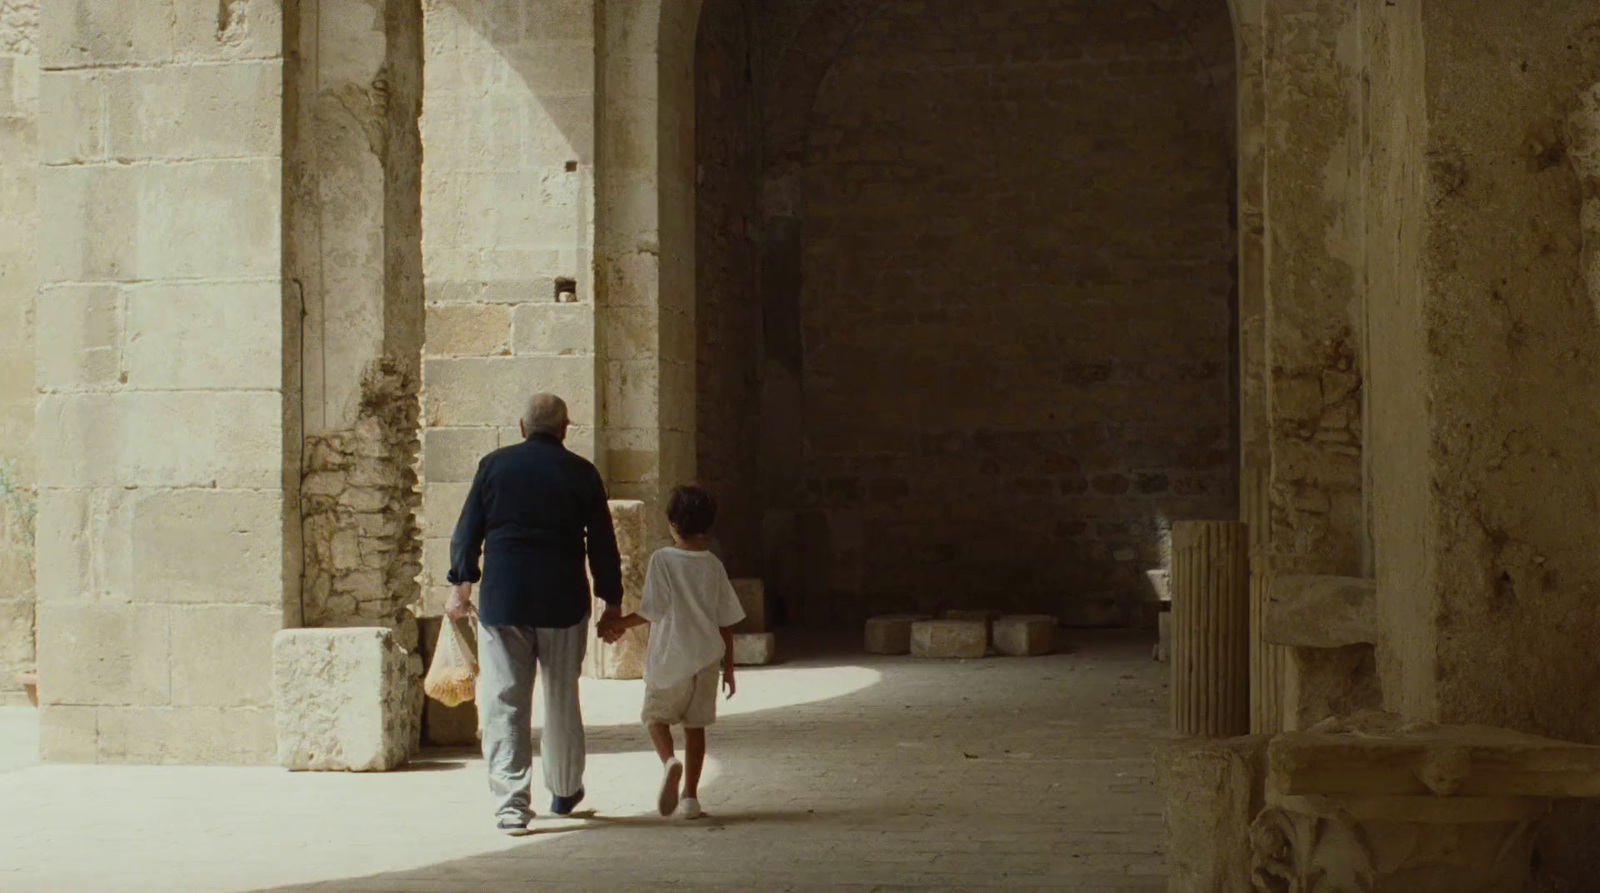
[[533, 512]]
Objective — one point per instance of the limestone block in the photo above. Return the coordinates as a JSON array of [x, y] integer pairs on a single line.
[[1025, 635], [68, 734], [104, 654], [468, 330], [205, 546], [222, 655], [186, 112], [71, 116], [345, 699], [90, 32], [754, 649], [450, 455], [988, 618], [83, 322], [91, 231], [753, 599], [1321, 611], [891, 633], [1211, 793], [441, 506], [625, 658], [473, 391], [949, 638], [545, 327], [228, 335], [185, 735]]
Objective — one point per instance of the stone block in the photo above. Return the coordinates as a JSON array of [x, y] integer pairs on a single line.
[[346, 699], [222, 655], [78, 33], [83, 545], [550, 328], [229, 336], [624, 659], [451, 455], [1024, 635], [753, 599], [163, 439], [441, 507], [68, 734], [188, 112], [210, 219], [468, 330], [484, 391], [83, 326], [633, 392], [185, 735], [754, 649], [100, 654], [891, 633], [1311, 611], [16, 637], [91, 232], [988, 618], [205, 546], [949, 638], [72, 116], [1212, 792]]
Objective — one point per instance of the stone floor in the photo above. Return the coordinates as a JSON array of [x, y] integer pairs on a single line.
[[840, 772]]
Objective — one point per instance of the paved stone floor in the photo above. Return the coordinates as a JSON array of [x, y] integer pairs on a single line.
[[840, 772]]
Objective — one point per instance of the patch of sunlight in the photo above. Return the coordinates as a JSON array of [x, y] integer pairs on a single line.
[[617, 702]]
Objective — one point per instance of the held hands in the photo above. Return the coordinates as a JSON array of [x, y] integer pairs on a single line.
[[728, 684], [610, 628]]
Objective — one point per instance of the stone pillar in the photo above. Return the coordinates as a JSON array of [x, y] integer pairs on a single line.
[[19, 170], [625, 658], [1269, 663], [644, 247], [1211, 629], [168, 529], [509, 215], [356, 253]]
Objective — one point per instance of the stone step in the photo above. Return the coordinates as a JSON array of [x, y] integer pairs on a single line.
[[949, 638]]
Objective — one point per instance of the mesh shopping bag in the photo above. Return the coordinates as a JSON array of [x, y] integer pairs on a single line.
[[452, 677]]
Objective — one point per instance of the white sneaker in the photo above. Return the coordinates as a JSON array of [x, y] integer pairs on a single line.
[[688, 808], [671, 777]]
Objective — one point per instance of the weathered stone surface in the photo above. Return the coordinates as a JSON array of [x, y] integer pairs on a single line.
[[753, 599], [891, 633], [754, 649], [345, 699], [1212, 791], [949, 638], [988, 617], [1321, 611], [1024, 635], [625, 658]]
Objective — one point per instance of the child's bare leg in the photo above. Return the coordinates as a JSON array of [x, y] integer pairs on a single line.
[[694, 757], [661, 737]]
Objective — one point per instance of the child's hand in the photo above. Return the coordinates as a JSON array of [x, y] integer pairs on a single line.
[[727, 681]]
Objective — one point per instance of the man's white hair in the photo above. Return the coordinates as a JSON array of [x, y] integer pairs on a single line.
[[546, 414]]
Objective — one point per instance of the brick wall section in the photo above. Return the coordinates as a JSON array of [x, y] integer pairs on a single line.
[[19, 152], [728, 314], [1016, 307]]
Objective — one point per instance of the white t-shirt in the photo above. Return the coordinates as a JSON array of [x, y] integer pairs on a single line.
[[687, 599]]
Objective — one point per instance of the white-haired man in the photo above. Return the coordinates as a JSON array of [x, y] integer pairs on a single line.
[[535, 511]]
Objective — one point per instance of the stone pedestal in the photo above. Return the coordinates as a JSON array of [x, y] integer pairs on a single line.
[[949, 638], [753, 599], [625, 658], [1210, 629], [754, 649], [1024, 635], [1372, 804], [890, 633], [1212, 791], [345, 699]]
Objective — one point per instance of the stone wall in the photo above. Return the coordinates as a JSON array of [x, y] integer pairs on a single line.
[[727, 249], [167, 532], [1016, 309], [508, 211], [19, 152]]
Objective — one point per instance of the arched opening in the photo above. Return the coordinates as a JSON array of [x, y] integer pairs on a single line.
[[965, 299]]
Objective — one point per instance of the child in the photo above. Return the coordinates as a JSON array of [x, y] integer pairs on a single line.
[[691, 607]]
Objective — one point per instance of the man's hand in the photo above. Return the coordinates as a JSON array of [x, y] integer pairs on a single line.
[[610, 626], [728, 684], [459, 604]]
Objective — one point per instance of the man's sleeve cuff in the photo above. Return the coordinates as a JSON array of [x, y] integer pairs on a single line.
[[455, 579]]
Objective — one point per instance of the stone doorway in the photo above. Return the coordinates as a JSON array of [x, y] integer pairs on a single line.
[[966, 299]]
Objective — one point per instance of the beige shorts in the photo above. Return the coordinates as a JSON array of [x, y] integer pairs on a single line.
[[691, 703]]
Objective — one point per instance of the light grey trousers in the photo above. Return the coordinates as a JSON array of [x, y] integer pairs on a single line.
[[506, 662]]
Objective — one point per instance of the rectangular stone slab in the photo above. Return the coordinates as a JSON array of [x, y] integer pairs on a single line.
[[1025, 635], [890, 633], [754, 649], [346, 699], [753, 599], [949, 638], [1382, 758]]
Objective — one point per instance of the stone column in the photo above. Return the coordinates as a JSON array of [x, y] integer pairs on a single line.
[[168, 531], [1210, 628], [508, 211], [19, 170]]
